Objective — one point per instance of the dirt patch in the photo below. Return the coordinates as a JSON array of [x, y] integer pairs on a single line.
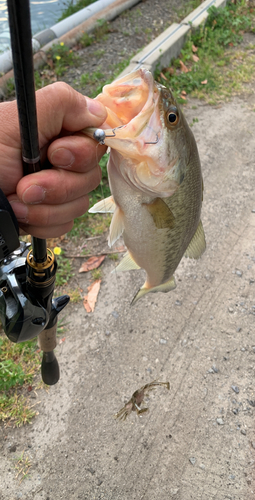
[[197, 441], [113, 44]]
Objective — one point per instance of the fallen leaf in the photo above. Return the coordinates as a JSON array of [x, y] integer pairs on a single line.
[[62, 340], [170, 70], [92, 263], [204, 82], [163, 76], [29, 388], [194, 48], [184, 68], [89, 301], [195, 58], [50, 63]]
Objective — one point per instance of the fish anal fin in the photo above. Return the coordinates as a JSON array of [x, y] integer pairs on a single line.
[[164, 287], [162, 215], [104, 206], [127, 264], [116, 227], [197, 245]]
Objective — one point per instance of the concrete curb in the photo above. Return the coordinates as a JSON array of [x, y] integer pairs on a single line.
[[70, 30], [157, 54], [167, 46]]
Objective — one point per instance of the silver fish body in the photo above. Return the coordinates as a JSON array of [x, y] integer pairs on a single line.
[[156, 183]]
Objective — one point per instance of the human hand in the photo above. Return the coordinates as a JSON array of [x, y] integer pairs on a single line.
[[45, 203]]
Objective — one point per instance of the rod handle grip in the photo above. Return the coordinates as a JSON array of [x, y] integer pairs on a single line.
[[50, 368]]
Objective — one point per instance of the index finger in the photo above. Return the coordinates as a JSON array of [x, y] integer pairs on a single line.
[[60, 107]]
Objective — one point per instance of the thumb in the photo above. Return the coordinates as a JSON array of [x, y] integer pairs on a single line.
[[60, 107]]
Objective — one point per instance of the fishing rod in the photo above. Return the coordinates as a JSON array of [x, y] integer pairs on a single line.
[[27, 277]]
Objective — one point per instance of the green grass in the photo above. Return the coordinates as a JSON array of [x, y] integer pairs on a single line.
[[218, 72], [94, 224], [113, 256], [61, 57], [11, 375], [22, 466], [19, 363], [16, 409], [74, 7], [97, 274], [187, 8], [103, 190], [64, 271]]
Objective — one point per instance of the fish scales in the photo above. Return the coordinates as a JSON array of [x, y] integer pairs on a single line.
[[155, 179], [183, 205]]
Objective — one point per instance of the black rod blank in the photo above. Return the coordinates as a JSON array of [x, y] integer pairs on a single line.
[[22, 53]]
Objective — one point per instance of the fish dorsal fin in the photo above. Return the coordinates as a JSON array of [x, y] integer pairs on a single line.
[[104, 206], [162, 215], [197, 245], [164, 287], [127, 264], [116, 227]]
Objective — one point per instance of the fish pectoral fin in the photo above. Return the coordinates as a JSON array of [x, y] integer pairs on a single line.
[[162, 216], [197, 245], [126, 264], [104, 206], [116, 227], [164, 287]]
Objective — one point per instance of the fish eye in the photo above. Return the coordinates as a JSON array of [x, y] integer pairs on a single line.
[[172, 115]]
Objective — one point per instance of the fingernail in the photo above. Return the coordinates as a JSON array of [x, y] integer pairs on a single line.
[[34, 194], [95, 107], [62, 157], [20, 210]]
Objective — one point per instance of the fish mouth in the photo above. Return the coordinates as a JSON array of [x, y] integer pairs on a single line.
[[127, 97], [135, 128], [133, 119]]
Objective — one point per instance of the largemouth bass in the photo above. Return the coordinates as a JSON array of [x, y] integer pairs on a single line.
[[155, 179]]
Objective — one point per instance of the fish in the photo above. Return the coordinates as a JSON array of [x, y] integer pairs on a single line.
[[137, 399], [155, 179]]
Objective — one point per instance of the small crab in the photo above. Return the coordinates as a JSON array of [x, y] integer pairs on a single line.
[[137, 398]]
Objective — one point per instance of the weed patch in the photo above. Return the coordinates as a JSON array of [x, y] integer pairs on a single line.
[[96, 274], [19, 363], [208, 67], [22, 466], [74, 7], [64, 271], [60, 57]]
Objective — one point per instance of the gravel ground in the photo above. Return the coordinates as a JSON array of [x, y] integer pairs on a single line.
[[127, 34]]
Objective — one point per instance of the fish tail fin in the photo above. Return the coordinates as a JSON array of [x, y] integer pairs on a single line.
[[164, 287]]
